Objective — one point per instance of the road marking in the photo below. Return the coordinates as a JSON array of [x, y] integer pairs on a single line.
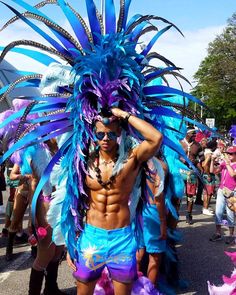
[[15, 264]]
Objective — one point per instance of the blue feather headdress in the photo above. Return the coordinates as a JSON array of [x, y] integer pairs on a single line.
[[103, 69]]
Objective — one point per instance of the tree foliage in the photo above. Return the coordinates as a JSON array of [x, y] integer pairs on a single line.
[[216, 77]]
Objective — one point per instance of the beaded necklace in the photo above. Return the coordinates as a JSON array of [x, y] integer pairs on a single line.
[[188, 146], [98, 171]]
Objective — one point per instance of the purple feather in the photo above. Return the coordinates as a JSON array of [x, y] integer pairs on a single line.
[[143, 286], [19, 104], [232, 133], [9, 127]]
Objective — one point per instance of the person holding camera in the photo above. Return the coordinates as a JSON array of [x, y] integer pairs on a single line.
[[226, 190]]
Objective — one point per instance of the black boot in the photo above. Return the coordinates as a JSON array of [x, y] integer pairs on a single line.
[[51, 287], [9, 248], [36, 280]]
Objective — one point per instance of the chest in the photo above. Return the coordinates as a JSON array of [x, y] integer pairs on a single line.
[[124, 178]]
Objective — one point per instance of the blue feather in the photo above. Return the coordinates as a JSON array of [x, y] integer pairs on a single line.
[[110, 17], [32, 9], [126, 10], [93, 21], [54, 43], [38, 56], [154, 39], [75, 24]]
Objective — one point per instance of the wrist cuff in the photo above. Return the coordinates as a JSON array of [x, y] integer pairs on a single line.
[[126, 119]]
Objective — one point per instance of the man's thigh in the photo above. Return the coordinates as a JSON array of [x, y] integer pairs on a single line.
[[122, 288], [86, 288]]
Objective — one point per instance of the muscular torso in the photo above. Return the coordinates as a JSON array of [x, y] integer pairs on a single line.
[[192, 151], [108, 207]]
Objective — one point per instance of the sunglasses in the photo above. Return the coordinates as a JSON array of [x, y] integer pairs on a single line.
[[111, 135], [231, 153]]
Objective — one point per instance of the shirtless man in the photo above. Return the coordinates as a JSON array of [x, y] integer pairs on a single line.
[[193, 150], [107, 239]]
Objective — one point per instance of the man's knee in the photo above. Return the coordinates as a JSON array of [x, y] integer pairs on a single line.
[[191, 198], [154, 258], [86, 288]]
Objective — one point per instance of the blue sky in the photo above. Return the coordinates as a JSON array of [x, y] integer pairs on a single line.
[[199, 20], [189, 14]]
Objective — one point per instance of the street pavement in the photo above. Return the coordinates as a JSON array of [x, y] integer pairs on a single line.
[[199, 259]]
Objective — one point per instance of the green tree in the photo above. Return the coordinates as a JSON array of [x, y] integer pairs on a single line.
[[216, 77]]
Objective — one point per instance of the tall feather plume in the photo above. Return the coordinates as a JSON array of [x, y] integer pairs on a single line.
[[37, 45], [104, 70]]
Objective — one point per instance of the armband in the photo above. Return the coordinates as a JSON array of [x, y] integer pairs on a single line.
[[126, 119]]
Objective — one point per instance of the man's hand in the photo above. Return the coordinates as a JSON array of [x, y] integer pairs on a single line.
[[152, 137], [70, 262], [227, 160], [213, 157], [25, 178], [119, 113]]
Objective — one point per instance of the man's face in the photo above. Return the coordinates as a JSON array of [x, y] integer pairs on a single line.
[[191, 136], [232, 157], [106, 135], [204, 143], [221, 148]]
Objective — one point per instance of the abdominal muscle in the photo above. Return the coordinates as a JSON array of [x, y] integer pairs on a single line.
[[108, 206], [108, 211]]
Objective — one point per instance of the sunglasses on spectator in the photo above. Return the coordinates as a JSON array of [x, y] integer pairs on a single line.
[[111, 135], [231, 153]]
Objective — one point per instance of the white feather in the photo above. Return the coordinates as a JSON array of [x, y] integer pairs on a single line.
[[41, 159], [56, 75], [54, 212]]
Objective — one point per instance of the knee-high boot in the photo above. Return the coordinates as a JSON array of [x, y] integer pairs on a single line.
[[36, 281], [51, 287], [9, 248]]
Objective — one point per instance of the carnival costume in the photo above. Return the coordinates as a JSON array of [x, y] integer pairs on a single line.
[[104, 68]]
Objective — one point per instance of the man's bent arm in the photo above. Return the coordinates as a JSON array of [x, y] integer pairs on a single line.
[[152, 137]]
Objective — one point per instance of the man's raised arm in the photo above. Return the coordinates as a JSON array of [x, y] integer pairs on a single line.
[[152, 137]]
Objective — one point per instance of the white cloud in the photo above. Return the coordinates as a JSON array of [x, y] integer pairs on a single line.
[[20, 31], [186, 53]]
